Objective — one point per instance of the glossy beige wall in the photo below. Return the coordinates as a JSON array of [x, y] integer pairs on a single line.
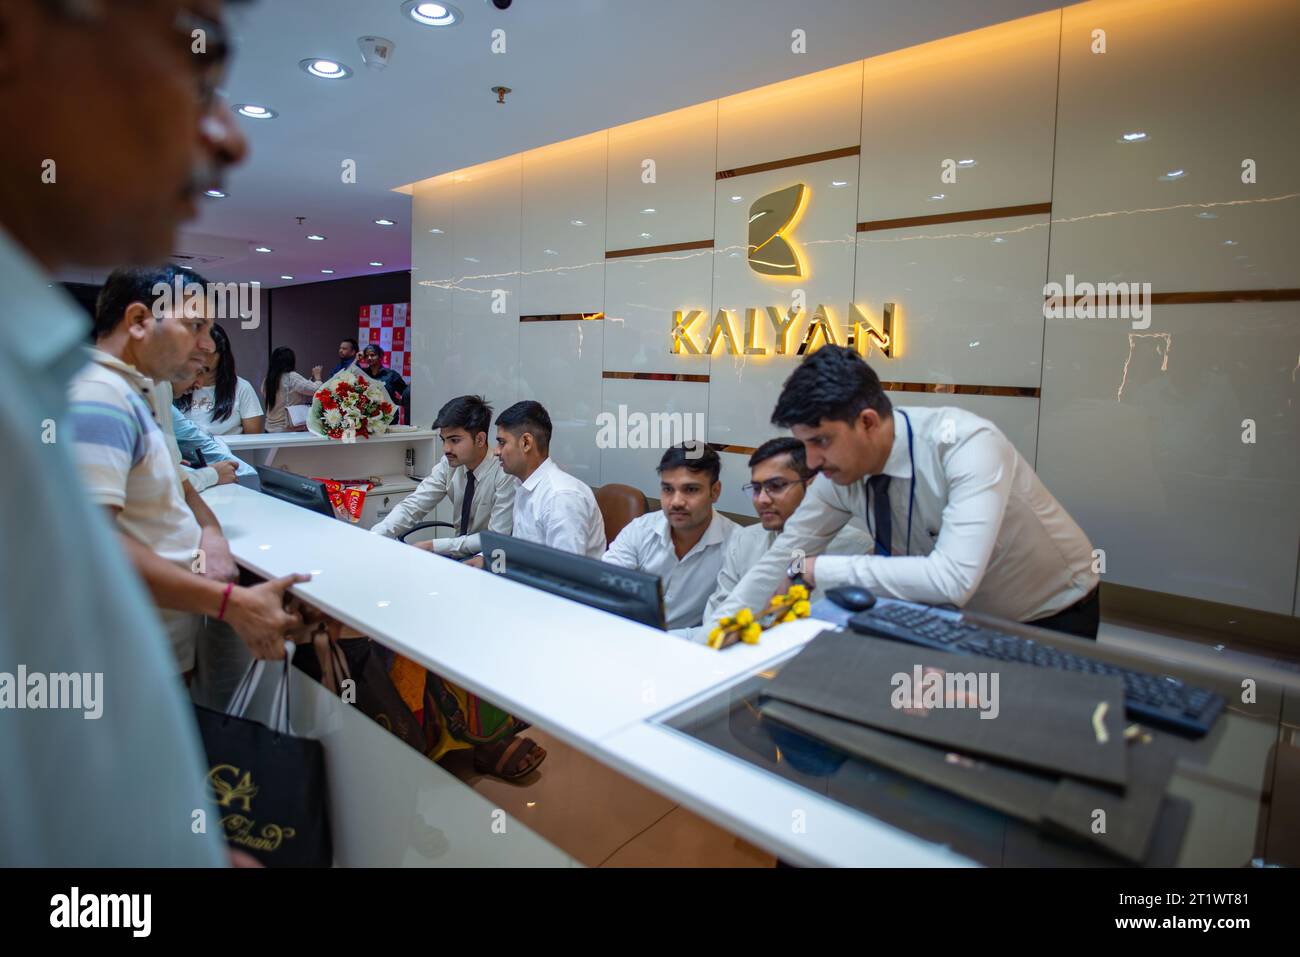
[[1137, 429]]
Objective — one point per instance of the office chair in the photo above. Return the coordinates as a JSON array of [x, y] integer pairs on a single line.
[[618, 505]]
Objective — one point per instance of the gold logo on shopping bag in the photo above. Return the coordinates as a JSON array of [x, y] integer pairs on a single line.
[[243, 790]]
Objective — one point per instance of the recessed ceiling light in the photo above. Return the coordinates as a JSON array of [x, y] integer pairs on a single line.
[[649, 210], [432, 14], [255, 112], [576, 222], [937, 196], [737, 199], [214, 194], [375, 263], [966, 162], [384, 222], [286, 277], [551, 252], [263, 249], [645, 235], [436, 231], [314, 237], [328, 272], [1000, 239], [837, 183], [1135, 137], [1229, 242], [325, 69], [1172, 175], [1207, 215]]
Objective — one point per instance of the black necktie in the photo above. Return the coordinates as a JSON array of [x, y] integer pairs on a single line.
[[879, 485], [468, 504]]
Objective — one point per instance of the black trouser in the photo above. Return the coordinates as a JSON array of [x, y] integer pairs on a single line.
[[1080, 619]]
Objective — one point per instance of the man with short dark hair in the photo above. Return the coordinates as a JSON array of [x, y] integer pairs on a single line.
[[481, 494], [347, 355], [119, 417], [551, 506], [956, 515], [778, 479], [121, 132], [683, 542]]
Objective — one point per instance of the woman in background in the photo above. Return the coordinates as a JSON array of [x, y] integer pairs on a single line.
[[285, 387], [222, 403]]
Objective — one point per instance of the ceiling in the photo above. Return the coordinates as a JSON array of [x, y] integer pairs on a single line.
[[575, 66]]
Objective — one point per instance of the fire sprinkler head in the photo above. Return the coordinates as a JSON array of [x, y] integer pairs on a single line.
[[501, 92]]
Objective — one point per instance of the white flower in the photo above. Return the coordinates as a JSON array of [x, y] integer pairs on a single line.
[[333, 417]]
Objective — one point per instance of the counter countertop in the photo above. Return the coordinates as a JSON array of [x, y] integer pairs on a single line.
[[273, 440], [590, 678]]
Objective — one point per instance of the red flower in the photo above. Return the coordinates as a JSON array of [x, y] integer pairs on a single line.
[[327, 402], [385, 407], [343, 388]]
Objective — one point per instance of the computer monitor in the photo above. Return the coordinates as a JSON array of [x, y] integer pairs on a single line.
[[295, 489], [635, 595]]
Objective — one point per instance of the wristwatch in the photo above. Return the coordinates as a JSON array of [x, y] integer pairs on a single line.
[[794, 571]]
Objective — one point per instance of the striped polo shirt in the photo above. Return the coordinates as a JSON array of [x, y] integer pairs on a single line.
[[124, 462]]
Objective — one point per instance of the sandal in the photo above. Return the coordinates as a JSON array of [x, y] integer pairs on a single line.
[[510, 759]]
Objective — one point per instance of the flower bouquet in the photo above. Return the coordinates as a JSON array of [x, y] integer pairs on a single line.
[[349, 406], [746, 626]]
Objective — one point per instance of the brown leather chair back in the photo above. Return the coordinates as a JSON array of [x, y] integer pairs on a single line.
[[619, 504]]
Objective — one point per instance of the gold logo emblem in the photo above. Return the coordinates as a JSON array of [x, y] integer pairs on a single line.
[[243, 790], [770, 220]]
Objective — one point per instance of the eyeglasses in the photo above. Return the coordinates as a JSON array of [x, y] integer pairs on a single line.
[[773, 487], [209, 43]]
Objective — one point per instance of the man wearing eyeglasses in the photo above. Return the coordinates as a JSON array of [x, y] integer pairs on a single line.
[[778, 478], [115, 132]]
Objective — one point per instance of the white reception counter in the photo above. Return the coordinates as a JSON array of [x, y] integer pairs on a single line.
[[594, 680]]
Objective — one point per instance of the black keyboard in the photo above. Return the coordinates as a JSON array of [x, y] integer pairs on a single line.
[[1153, 699]]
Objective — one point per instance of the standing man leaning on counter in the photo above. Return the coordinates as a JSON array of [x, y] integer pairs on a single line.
[[482, 495], [956, 515], [115, 92]]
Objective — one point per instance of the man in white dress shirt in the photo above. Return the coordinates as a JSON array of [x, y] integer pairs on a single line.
[[482, 495], [683, 542], [778, 480], [551, 506], [956, 515]]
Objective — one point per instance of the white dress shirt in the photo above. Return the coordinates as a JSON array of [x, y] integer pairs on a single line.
[[986, 533], [741, 553], [492, 507], [554, 508], [646, 543]]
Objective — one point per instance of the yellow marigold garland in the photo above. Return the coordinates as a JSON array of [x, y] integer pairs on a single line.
[[746, 626]]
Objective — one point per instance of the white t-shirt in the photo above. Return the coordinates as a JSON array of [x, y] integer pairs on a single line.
[[246, 406]]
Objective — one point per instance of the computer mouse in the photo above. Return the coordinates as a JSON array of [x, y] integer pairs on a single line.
[[852, 597]]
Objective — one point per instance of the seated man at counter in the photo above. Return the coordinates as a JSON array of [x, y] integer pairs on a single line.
[[682, 543], [372, 364], [168, 531], [957, 516], [482, 495], [778, 479], [551, 506]]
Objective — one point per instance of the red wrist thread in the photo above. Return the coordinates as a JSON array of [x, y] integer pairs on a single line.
[[221, 615]]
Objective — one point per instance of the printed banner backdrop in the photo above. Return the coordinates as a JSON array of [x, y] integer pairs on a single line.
[[389, 325]]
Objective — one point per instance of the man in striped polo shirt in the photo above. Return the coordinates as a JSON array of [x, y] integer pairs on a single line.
[[170, 534]]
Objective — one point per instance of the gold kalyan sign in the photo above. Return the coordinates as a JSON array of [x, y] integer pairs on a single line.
[[772, 252]]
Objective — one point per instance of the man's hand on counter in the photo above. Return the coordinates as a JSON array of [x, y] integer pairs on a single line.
[[426, 545], [475, 562], [225, 470], [260, 617]]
